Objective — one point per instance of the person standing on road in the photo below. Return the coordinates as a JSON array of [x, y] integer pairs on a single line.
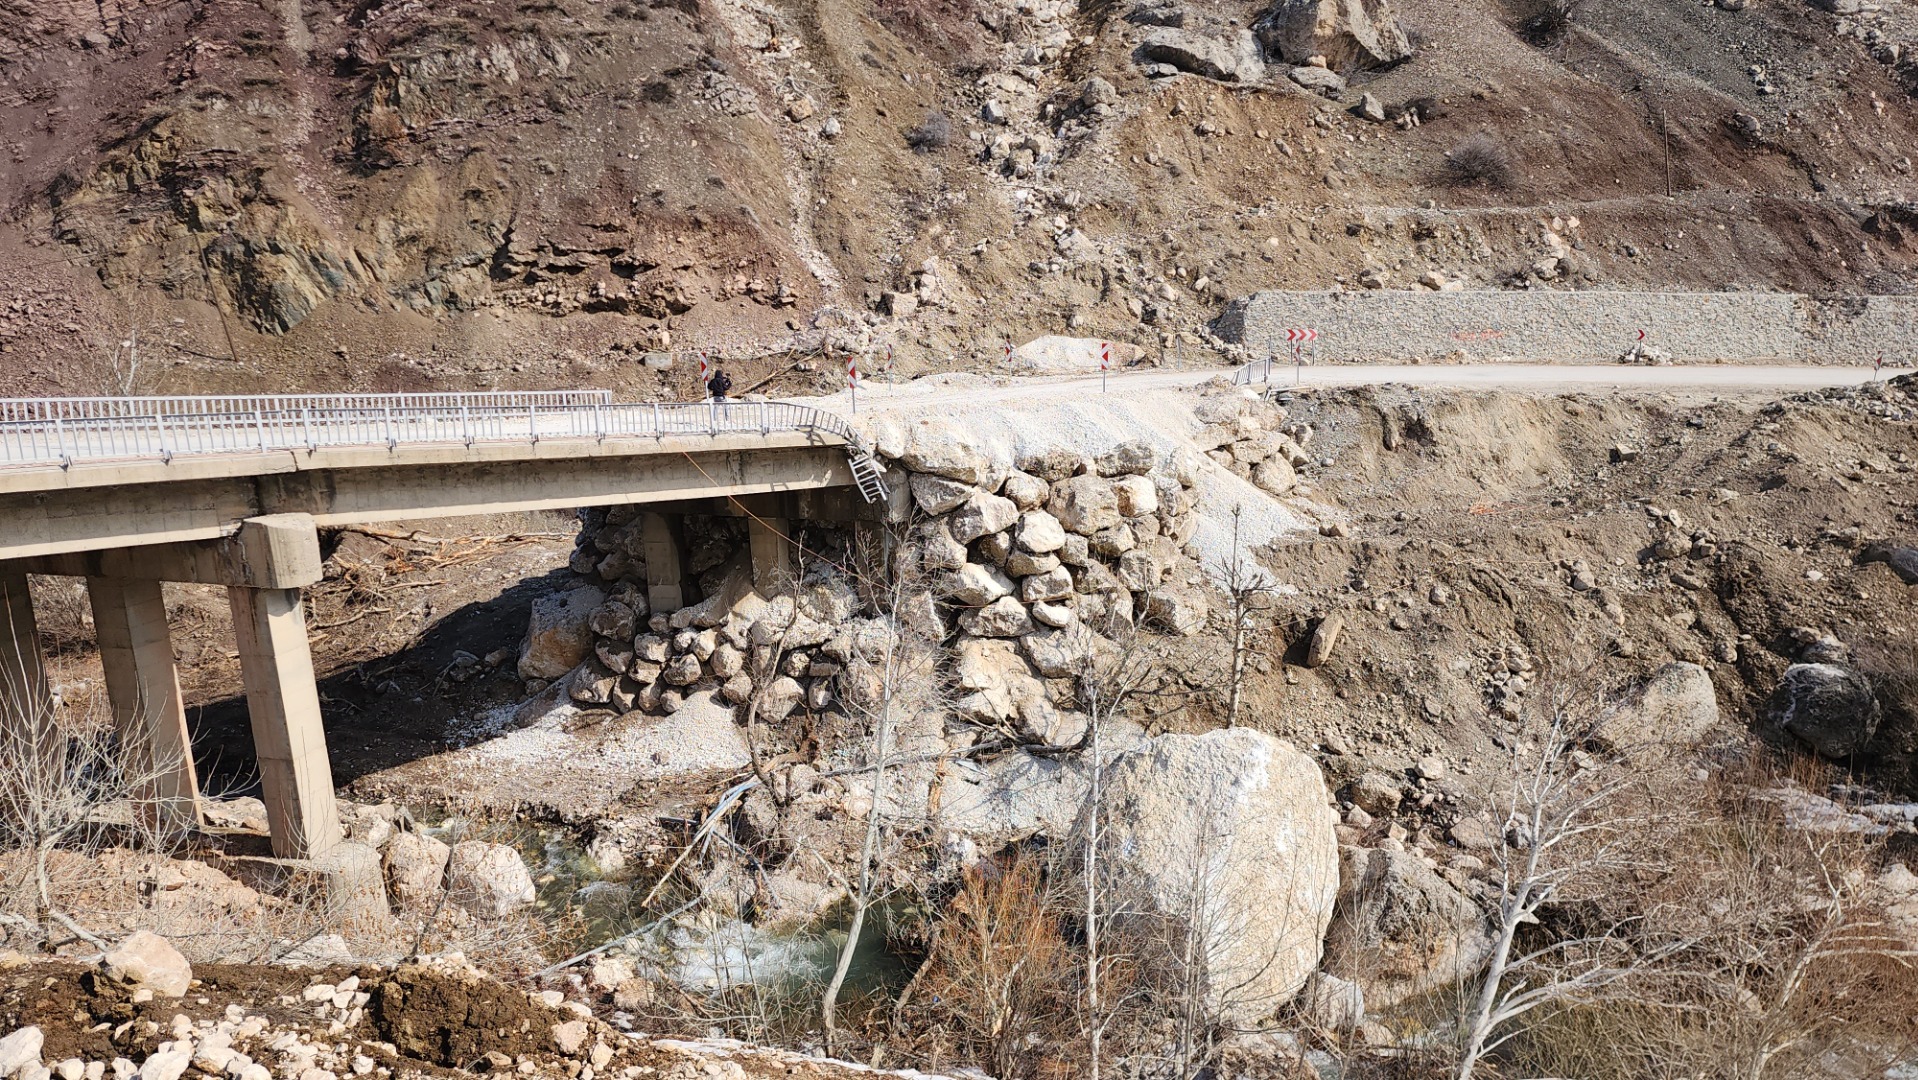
[[719, 385]]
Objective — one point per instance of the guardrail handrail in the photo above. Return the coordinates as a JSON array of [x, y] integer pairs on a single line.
[[381, 421], [47, 410]]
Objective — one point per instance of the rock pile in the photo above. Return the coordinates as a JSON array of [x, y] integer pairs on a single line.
[[809, 645], [1255, 442], [1030, 567], [1018, 568]]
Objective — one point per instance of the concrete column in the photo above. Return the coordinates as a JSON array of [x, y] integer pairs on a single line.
[[136, 651], [284, 702], [26, 703], [664, 540], [772, 552]]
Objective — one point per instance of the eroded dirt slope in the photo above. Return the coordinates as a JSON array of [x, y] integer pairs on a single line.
[[397, 194]]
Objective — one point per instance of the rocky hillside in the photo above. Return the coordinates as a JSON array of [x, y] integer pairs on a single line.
[[392, 194]]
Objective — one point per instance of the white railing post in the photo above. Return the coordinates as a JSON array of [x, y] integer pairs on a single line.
[[466, 424], [259, 428], [532, 421]]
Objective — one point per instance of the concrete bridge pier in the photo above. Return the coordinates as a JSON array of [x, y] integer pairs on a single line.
[[143, 689], [263, 566], [26, 701], [283, 702]]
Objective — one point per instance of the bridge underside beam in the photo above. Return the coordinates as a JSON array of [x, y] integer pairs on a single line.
[[281, 551], [140, 512]]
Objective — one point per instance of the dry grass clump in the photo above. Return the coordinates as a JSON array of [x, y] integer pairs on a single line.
[[1482, 160]]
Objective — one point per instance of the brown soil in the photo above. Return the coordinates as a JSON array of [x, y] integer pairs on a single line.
[[385, 196]]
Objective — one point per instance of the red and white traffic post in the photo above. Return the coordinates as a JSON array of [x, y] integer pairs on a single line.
[[1298, 336], [702, 370], [1105, 363], [852, 379]]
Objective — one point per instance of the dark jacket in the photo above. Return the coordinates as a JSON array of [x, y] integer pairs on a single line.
[[720, 384]]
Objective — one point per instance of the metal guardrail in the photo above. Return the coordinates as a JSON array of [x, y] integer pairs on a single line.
[[62, 441], [103, 408]]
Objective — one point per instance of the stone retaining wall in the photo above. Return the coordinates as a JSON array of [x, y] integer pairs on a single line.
[[1586, 326]]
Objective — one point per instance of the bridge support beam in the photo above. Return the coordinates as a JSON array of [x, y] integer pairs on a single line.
[[26, 703], [143, 687], [664, 540], [283, 702]]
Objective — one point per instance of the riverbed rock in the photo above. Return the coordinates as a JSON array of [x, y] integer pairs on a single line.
[[1401, 930], [937, 494], [489, 880], [1236, 824], [614, 620], [1040, 532], [1026, 491], [1325, 638], [1351, 35], [1059, 653], [980, 515], [1003, 618], [20, 1051], [415, 866], [1134, 458], [1677, 707], [558, 633], [1138, 496], [145, 959], [976, 585], [1831, 707]]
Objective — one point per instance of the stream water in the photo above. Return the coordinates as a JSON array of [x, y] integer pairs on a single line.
[[695, 950]]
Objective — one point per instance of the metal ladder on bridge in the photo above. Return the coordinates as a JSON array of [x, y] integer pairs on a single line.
[[866, 472]]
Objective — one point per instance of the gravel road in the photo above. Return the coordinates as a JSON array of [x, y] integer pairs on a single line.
[[1678, 380]]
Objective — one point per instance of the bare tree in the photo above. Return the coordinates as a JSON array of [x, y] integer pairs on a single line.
[[1570, 832], [1248, 589], [1106, 682], [73, 783], [893, 668]]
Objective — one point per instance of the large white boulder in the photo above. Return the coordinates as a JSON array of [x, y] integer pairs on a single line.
[[1349, 34], [488, 879], [21, 1051], [415, 867], [559, 633], [1676, 707], [145, 959], [1229, 835]]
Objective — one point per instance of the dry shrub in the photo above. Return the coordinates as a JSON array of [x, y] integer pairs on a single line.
[[1001, 986], [1481, 160], [1544, 23], [1792, 962], [933, 133], [62, 614]]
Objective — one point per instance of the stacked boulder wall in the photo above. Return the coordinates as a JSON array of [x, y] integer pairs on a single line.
[[1402, 930], [1227, 836]]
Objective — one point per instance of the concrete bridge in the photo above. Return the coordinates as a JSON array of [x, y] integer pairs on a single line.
[[132, 492]]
